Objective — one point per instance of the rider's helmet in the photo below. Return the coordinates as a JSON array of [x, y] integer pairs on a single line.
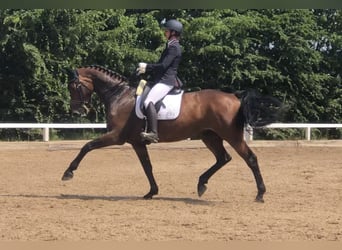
[[173, 24]]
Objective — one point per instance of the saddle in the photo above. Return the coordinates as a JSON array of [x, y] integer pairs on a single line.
[[167, 109]]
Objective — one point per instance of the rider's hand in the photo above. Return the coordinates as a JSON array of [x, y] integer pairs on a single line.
[[141, 68]]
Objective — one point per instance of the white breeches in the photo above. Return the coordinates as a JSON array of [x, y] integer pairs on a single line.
[[158, 92]]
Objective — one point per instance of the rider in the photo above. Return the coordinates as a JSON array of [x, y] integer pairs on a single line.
[[164, 76]]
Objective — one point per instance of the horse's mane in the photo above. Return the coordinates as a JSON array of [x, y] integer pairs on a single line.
[[108, 72]]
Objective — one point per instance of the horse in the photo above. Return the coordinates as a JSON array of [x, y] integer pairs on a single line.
[[211, 115]]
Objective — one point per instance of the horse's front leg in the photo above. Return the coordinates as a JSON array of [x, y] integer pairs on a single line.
[[142, 153], [103, 141]]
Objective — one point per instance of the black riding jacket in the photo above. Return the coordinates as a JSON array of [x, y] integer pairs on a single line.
[[165, 70]]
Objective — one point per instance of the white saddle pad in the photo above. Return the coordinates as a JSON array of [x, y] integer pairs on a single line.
[[169, 109]]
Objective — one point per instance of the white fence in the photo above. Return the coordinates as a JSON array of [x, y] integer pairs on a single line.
[[248, 132], [47, 126], [306, 126]]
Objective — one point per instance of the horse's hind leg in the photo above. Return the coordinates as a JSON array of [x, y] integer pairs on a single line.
[[251, 159], [215, 145]]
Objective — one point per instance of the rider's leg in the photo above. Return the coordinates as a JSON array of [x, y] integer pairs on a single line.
[[158, 92]]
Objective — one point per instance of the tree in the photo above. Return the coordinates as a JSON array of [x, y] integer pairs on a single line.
[[292, 54]]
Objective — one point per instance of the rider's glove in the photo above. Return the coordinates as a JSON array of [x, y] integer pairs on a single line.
[[141, 68]]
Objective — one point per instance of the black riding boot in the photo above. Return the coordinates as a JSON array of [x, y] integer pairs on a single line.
[[152, 123]]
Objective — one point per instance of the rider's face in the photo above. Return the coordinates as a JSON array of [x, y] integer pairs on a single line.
[[167, 33]]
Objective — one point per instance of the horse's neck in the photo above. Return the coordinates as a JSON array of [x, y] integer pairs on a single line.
[[113, 93], [109, 86]]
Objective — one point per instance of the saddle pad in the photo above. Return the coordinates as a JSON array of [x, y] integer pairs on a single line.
[[169, 108]]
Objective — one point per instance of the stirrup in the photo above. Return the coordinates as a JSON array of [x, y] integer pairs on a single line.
[[149, 136]]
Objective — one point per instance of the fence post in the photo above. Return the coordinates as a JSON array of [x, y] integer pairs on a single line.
[[308, 133], [248, 133], [46, 134]]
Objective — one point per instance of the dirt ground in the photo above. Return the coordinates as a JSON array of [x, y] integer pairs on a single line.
[[103, 201]]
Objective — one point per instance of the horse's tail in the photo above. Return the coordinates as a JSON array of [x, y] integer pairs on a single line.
[[259, 110]]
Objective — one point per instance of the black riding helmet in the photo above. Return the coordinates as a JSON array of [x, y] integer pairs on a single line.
[[173, 24]]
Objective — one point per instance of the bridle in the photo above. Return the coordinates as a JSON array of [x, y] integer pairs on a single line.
[[80, 86]]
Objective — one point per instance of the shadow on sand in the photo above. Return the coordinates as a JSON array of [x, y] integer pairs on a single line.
[[109, 198]]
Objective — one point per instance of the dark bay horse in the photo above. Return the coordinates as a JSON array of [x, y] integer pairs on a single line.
[[211, 115]]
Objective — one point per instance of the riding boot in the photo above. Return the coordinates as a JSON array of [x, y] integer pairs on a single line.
[[152, 123]]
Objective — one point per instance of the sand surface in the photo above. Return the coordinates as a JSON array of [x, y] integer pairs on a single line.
[[103, 201]]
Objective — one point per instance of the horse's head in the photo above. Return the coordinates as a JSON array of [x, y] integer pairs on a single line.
[[81, 89]]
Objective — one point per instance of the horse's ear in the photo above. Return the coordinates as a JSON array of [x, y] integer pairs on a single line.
[[71, 73]]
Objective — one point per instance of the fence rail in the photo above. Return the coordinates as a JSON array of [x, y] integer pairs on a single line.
[[47, 126], [306, 126], [248, 131]]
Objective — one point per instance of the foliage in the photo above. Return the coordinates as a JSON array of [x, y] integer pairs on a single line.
[[292, 54]]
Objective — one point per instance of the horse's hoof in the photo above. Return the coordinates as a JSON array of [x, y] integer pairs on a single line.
[[149, 196], [68, 175], [201, 189], [259, 199]]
